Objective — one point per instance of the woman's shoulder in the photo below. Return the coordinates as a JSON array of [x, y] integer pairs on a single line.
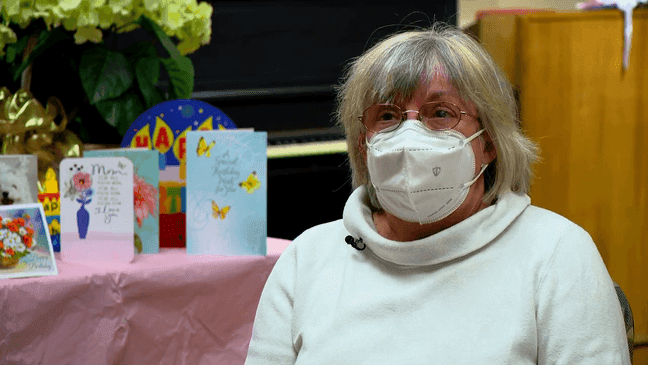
[[547, 220], [321, 238], [547, 230], [320, 230]]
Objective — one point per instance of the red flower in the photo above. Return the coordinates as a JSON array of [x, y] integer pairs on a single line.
[[144, 199], [29, 231], [82, 181], [13, 226], [27, 240], [1, 245], [9, 251]]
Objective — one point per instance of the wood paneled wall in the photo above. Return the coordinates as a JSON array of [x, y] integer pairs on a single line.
[[590, 118]]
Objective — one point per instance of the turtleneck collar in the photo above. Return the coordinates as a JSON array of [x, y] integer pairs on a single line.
[[461, 239]]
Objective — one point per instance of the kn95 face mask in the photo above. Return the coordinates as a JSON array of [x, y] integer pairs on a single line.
[[421, 175]]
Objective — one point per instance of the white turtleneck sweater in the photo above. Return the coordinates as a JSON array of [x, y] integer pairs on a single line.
[[512, 284]]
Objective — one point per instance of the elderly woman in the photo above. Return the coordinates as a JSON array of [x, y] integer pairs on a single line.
[[446, 262]]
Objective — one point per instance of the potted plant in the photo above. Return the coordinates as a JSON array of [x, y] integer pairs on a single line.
[[58, 48]]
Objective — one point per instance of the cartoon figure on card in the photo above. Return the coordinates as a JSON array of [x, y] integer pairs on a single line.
[[51, 182], [55, 227], [15, 182], [218, 212], [251, 184], [80, 188]]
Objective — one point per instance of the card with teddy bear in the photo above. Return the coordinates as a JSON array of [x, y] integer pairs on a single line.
[[96, 209], [18, 177]]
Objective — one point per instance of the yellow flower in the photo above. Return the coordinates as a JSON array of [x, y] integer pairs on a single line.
[[91, 18], [13, 7], [96, 3], [187, 20], [171, 16], [151, 5], [6, 36], [105, 17], [204, 11], [121, 6], [70, 23], [89, 33], [188, 45], [68, 5]]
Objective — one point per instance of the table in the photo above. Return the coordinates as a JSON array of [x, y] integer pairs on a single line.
[[166, 308]]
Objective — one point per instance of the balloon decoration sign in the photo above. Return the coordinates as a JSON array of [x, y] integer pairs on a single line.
[[164, 128]]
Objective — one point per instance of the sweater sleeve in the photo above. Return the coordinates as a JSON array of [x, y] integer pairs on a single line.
[[272, 340], [579, 317]]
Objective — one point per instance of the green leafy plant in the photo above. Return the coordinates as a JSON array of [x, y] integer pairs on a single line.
[[119, 84]]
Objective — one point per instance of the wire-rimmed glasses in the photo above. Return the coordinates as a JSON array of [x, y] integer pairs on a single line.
[[436, 115]]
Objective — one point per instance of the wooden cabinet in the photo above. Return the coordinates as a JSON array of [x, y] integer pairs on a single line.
[[590, 119]]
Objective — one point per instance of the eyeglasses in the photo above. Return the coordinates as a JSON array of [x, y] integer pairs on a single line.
[[436, 115]]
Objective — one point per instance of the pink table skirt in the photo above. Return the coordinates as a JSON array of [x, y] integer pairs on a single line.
[[166, 308]]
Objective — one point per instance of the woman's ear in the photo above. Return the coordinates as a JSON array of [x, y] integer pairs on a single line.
[[490, 151], [361, 143]]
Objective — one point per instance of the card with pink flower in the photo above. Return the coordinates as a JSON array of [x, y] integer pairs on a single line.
[[25, 244], [96, 209], [146, 196]]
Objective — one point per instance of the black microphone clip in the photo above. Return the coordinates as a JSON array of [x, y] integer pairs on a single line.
[[357, 244]]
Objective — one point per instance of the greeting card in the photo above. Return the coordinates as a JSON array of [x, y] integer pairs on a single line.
[[18, 177], [50, 198], [226, 192], [25, 245], [96, 209], [146, 196], [164, 128]]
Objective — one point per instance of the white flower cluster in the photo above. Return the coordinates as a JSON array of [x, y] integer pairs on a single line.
[[187, 20], [12, 242]]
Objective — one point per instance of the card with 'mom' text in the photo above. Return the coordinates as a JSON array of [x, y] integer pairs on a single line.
[[96, 209]]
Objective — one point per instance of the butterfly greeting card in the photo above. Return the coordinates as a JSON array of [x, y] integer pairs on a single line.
[[226, 193], [96, 209]]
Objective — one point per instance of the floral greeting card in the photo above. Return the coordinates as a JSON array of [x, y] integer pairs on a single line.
[[146, 196], [25, 245], [96, 209], [226, 192]]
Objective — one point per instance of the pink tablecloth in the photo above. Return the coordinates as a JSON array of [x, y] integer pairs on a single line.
[[166, 308]]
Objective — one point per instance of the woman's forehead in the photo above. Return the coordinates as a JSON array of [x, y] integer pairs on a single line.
[[437, 83], [436, 73], [429, 86]]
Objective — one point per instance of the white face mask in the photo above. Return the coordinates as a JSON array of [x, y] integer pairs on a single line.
[[421, 175]]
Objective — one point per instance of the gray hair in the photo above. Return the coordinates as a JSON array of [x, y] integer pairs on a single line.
[[397, 66]]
